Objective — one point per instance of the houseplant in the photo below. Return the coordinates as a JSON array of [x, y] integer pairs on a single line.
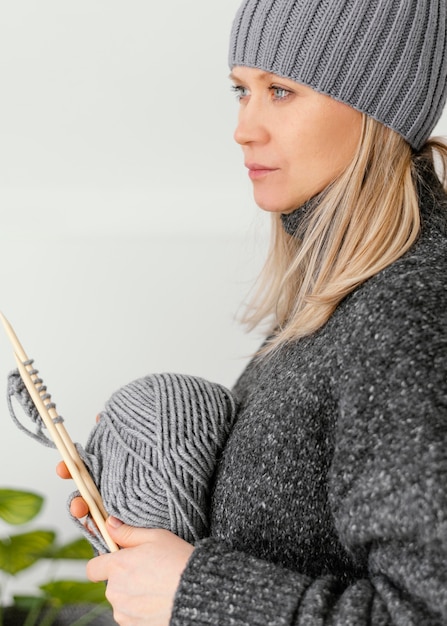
[[55, 602]]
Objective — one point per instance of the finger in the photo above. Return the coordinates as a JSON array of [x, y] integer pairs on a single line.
[[130, 536], [97, 417], [78, 507], [97, 568], [62, 470]]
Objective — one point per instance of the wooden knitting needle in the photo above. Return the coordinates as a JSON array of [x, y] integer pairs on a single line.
[[60, 436]]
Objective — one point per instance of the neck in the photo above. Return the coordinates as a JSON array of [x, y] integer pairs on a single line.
[[293, 220]]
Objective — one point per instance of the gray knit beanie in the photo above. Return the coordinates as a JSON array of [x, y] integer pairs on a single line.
[[386, 58]]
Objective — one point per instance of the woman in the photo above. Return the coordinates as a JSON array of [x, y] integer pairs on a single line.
[[329, 502]]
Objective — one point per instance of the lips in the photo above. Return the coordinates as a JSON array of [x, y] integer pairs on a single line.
[[256, 170]]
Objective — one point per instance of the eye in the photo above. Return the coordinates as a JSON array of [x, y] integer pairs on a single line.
[[239, 91], [279, 93]]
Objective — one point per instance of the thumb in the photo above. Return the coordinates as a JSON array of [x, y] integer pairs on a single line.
[[127, 536]]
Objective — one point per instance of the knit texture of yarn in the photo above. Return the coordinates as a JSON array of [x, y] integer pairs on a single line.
[[154, 450], [16, 389], [386, 58]]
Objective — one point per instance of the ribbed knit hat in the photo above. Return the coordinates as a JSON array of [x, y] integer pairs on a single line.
[[386, 58]]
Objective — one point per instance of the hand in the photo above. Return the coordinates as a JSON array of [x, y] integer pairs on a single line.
[[78, 506], [142, 579]]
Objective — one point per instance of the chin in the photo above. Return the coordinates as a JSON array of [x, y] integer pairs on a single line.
[[277, 207], [272, 202], [271, 205]]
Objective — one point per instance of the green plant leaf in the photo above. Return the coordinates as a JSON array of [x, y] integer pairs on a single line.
[[29, 609], [74, 592], [27, 603], [19, 507], [78, 549], [19, 552]]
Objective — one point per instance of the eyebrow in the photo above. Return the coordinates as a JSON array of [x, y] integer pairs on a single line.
[[232, 76], [262, 75]]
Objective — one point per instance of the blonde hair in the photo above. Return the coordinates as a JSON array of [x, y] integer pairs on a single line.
[[365, 220]]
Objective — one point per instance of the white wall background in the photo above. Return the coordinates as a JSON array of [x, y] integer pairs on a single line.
[[128, 235]]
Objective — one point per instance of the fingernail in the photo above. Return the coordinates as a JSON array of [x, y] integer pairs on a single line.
[[114, 522]]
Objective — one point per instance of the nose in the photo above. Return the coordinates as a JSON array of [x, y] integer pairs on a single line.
[[251, 126]]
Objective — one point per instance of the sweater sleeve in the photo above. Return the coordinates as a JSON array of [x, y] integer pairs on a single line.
[[386, 487]]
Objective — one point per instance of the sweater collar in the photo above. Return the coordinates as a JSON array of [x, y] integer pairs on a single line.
[[292, 221]]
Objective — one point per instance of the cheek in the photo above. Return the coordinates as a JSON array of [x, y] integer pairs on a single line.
[[342, 135], [322, 147]]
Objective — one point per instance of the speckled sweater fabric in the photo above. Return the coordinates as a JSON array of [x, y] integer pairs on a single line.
[[330, 499]]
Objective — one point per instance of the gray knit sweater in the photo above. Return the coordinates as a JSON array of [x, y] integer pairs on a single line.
[[330, 499]]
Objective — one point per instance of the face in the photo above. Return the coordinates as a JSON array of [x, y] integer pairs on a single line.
[[295, 141]]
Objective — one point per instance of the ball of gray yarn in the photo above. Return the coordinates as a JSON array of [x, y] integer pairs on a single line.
[[154, 450]]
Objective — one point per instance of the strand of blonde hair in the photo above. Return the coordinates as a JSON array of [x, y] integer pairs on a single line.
[[367, 219]]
